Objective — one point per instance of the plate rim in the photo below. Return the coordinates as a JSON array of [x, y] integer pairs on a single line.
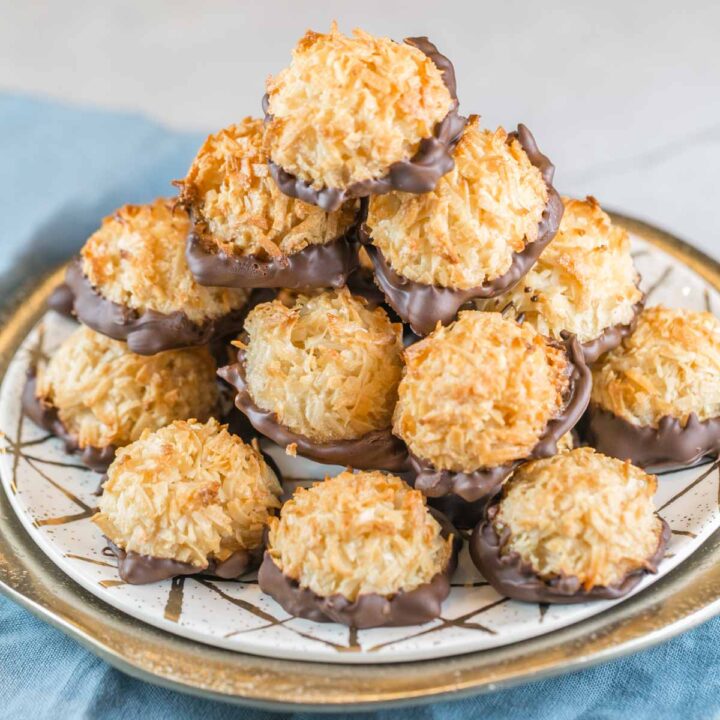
[[683, 599]]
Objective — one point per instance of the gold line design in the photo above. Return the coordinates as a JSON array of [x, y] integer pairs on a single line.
[[111, 583], [174, 604], [93, 561], [659, 282]]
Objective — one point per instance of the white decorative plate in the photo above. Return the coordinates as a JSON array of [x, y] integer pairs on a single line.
[[53, 496]]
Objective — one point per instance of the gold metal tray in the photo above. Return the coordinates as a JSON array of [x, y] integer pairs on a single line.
[[687, 596]]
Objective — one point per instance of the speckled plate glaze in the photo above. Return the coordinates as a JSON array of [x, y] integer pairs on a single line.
[[52, 495]]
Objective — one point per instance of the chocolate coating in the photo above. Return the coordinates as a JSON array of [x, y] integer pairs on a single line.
[[462, 514], [516, 579], [378, 450], [361, 283], [150, 332], [369, 610], [46, 416], [327, 265], [61, 300], [482, 485], [611, 337], [423, 306], [138, 569], [418, 174], [668, 446]]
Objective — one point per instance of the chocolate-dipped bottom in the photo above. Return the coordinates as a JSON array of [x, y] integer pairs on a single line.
[[477, 489], [378, 450], [671, 445], [369, 610], [61, 300], [611, 337], [138, 569], [46, 416], [423, 306], [149, 332], [418, 174], [315, 266], [511, 576]]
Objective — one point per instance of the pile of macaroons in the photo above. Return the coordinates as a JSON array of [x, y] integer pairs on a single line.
[[386, 285]]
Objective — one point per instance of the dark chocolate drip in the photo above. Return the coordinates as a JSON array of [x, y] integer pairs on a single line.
[[362, 284], [138, 569], [670, 445], [414, 607], [463, 514], [327, 265], [418, 174], [378, 450], [510, 575], [611, 337], [150, 332], [423, 306], [482, 485], [46, 416], [61, 300]]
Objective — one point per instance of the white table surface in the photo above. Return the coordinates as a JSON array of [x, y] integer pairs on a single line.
[[624, 96]]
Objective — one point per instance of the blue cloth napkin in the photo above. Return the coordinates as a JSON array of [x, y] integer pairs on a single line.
[[62, 169]]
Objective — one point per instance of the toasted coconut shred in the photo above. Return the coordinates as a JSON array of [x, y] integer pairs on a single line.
[[346, 108], [584, 281], [479, 393], [465, 232], [581, 514], [238, 207], [107, 395], [670, 366], [358, 533], [189, 491], [327, 366], [137, 259]]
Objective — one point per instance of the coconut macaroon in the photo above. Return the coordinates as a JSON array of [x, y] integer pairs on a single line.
[[359, 549], [570, 528], [352, 116], [188, 498], [320, 377], [132, 283], [482, 395], [584, 283], [97, 395], [249, 234], [475, 235], [656, 398]]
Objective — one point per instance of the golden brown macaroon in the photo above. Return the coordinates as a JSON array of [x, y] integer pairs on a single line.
[[246, 232], [328, 366], [361, 549], [190, 493], [465, 232], [571, 527], [480, 393], [584, 282], [237, 207], [106, 395], [347, 108], [670, 365], [656, 398], [132, 282], [137, 259]]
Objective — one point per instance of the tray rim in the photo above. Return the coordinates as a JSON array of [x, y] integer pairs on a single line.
[[688, 596]]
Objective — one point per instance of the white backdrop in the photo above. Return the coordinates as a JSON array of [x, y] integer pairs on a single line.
[[624, 96]]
